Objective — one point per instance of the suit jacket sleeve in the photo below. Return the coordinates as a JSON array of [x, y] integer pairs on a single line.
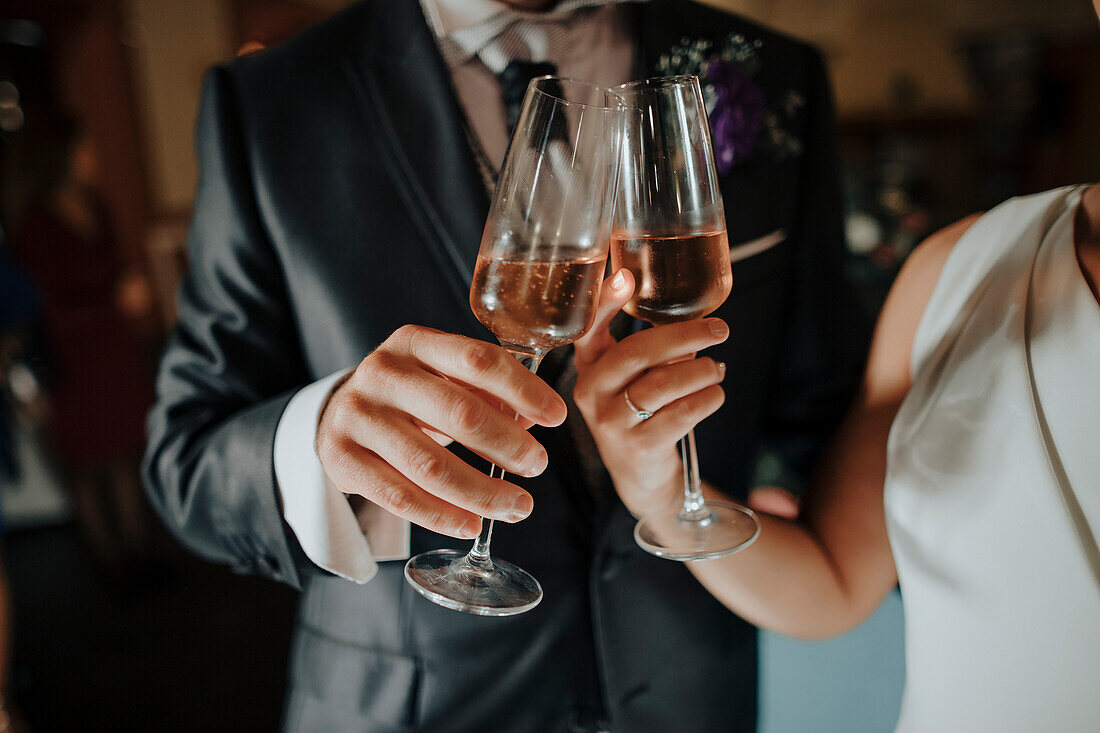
[[826, 336], [231, 366]]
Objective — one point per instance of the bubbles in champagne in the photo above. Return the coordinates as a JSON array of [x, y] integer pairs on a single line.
[[537, 304], [678, 277]]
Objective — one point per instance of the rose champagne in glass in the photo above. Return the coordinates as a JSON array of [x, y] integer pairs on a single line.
[[670, 232], [535, 285]]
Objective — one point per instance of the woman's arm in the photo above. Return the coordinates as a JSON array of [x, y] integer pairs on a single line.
[[815, 577], [826, 572]]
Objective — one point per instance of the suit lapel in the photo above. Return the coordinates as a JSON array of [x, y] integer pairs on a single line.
[[405, 93]]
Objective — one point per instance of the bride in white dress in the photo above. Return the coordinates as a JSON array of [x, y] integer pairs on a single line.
[[967, 469]]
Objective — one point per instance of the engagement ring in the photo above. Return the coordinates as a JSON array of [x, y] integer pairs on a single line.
[[642, 414]]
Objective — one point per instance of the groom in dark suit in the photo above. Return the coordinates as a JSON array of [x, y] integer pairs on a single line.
[[345, 183]]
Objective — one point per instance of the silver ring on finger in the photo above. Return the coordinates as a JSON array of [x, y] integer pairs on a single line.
[[641, 414]]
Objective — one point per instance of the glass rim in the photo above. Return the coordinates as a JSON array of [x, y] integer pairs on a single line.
[[658, 82], [532, 85]]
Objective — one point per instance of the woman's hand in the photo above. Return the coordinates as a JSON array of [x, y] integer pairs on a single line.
[[657, 370]]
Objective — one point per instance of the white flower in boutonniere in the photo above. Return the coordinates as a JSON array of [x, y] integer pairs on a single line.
[[741, 119]]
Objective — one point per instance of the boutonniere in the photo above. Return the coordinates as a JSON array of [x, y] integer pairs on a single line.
[[742, 121]]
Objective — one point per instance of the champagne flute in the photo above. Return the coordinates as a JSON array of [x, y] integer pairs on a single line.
[[538, 273], [670, 232]]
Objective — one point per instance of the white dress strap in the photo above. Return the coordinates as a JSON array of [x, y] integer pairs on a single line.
[[1085, 536], [973, 262]]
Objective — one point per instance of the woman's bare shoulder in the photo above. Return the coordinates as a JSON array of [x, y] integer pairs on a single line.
[[927, 261], [888, 367]]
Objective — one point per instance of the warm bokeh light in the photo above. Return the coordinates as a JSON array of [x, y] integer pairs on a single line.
[[250, 47]]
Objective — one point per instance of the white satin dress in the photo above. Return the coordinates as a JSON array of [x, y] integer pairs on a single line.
[[1002, 607]]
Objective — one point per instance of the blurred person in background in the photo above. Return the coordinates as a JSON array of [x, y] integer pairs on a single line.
[[346, 177], [966, 469], [98, 377], [19, 307]]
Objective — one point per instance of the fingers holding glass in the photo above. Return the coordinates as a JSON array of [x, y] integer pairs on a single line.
[[535, 284], [486, 367], [357, 470], [671, 233], [627, 360], [660, 388], [468, 418], [615, 293], [371, 444], [440, 473]]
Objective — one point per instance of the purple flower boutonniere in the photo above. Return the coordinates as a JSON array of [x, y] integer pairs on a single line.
[[741, 120]]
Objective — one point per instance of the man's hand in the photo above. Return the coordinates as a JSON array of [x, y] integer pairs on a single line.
[[657, 367], [383, 432]]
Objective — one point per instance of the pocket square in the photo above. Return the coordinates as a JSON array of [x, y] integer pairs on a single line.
[[756, 246]]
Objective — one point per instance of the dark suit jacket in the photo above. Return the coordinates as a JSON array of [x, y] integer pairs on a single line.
[[339, 200]]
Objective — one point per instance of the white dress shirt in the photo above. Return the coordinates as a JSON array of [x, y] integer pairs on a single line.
[[589, 42]]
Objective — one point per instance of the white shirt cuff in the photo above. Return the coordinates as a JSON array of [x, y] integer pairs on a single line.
[[331, 534]]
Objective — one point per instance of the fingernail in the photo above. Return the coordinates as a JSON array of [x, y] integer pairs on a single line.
[[619, 281], [718, 328], [521, 509], [722, 369], [540, 463], [551, 408]]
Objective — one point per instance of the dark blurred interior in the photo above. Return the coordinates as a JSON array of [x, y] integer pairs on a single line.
[[944, 109]]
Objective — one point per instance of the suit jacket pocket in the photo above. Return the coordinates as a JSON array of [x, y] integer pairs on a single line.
[[758, 260], [379, 685]]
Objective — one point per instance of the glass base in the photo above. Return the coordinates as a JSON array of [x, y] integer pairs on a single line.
[[723, 530], [499, 588]]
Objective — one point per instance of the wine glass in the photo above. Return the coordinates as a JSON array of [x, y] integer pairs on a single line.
[[670, 232], [535, 284]]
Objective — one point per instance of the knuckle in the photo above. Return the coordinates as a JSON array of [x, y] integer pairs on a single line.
[[685, 410], [406, 334], [658, 389], [330, 443], [359, 405], [364, 368], [371, 375], [327, 450], [381, 362], [688, 330], [478, 358], [483, 502], [434, 519], [397, 499], [522, 453], [338, 455], [466, 414], [428, 467], [341, 409]]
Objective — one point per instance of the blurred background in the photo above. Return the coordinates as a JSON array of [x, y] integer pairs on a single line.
[[944, 108]]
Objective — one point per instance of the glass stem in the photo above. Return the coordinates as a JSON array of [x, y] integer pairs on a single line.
[[695, 508], [479, 553]]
